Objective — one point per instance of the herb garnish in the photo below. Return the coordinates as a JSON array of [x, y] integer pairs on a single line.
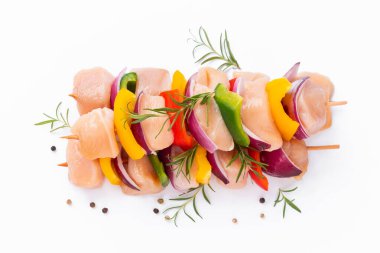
[[186, 107], [188, 198], [184, 159], [59, 118], [281, 197], [246, 162], [224, 54]]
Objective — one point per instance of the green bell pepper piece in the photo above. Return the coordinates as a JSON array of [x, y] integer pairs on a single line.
[[128, 81], [159, 169], [229, 104]]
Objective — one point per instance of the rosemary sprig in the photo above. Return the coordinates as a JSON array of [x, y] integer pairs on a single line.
[[184, 159], [59, 118], [185, 107], [224, 55], [188, 197], [246, 162], [287, 202]]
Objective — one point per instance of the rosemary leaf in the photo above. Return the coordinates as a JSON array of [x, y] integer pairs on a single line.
[[58, 119], [224, 55], [282, 198], [196, 209], [292, 205], [190, 198]]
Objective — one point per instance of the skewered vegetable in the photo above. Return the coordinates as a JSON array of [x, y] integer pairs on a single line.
[[276, 90], [108, 171], [125, 101], [229, 104]]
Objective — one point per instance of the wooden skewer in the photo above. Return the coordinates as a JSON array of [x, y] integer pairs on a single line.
[[63, 164], [324, 147], [71, 137], [73, 96], [336, 103]]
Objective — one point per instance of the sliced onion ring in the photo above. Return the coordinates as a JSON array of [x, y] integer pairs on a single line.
[[165, 156], [137, 129], [193, 124], [292, 108], [279, 164], [255, 141], [116, 86], [291, 75], [123, 174], [217, 167]]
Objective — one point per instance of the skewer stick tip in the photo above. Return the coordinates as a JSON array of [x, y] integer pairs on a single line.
[[324, 147], [73, 96], [336, 103], [71, 137]]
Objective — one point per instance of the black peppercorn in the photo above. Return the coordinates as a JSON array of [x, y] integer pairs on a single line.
[[262, 200], [53, 148], [156, 211], [105, 210]]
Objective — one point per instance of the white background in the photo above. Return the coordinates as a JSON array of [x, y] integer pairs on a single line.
[[44, 43]]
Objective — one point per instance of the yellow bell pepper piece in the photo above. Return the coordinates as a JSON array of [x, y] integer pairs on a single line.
[[179, 82], [109, 173], [124, 103], [276, 90], [204, 167]]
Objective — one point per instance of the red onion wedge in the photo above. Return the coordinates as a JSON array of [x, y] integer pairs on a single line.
[[116, 86], [178, 181], [255, 141], [121, 171], [292, 73], [137, 129], [217, 167], [289, 161], [290, 103], [194, 125]]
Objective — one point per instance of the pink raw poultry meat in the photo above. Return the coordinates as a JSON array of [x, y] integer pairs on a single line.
[[151, 127], [92, 89], [255, 111], [142, 173], [209, 116], [232, 170], [96, 134], [152, 81], [82, 172]]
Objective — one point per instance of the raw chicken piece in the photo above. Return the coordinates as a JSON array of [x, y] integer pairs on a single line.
[[312, 97], [296, 151], [92, 89], [82, 172], [96, 134], [232, 170], [151, 126], [181, 182], [251, 76], [212, 122], [142, 173], [211, 77], [256, 113], [312, 108], [152, 81], [326, 84]]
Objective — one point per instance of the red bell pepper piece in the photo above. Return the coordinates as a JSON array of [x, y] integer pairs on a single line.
[[181, 137], [232, 84], [261, 181]]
